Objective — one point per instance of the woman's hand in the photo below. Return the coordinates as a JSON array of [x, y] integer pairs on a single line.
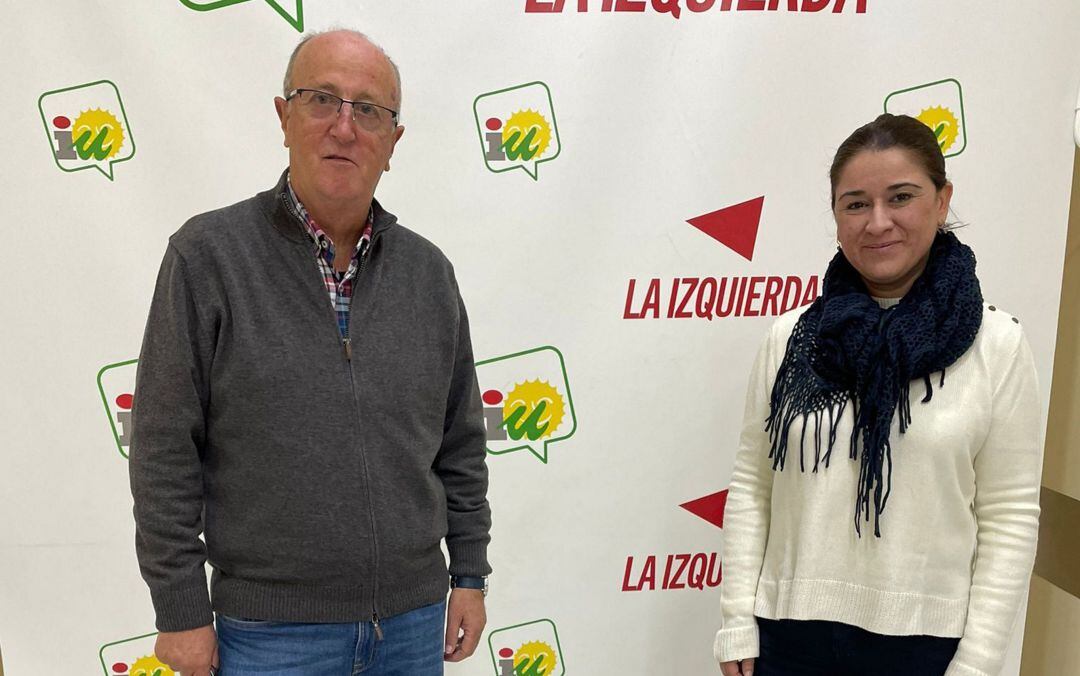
[[738, 668]]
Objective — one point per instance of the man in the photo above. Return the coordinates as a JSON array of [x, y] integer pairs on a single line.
[[306, 397]]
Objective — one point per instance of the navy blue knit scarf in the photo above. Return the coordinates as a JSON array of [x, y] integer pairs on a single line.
[[846, 348]]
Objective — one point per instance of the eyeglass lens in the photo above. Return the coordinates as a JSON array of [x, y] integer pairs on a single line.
[[322, 105]]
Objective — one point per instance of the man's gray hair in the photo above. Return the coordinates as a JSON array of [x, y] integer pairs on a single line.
[[287, 85]]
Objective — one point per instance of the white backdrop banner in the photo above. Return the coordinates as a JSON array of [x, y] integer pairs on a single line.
[[630, 191]]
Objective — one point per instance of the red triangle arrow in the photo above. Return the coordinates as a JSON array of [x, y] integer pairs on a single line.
[[735, 227], [710, 508]]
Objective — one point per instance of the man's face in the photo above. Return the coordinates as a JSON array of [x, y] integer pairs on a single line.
[[335, 161]]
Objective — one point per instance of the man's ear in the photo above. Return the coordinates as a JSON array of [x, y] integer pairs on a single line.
[[282, 108], [393, 144]]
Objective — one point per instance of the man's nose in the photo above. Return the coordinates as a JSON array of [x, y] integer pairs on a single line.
[[344, 128]]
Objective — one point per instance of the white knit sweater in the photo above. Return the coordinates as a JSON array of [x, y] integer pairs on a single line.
[[957, 534]]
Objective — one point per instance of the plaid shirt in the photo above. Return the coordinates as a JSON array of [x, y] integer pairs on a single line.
[[339, 285]]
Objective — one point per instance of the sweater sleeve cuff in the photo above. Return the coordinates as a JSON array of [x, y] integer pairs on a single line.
[[182, 609], [468, 559], [738, 643]]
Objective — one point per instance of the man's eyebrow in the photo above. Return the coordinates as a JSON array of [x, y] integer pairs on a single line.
[[364, 94]]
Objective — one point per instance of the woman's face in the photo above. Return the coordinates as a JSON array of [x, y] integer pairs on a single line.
[[887, 212]]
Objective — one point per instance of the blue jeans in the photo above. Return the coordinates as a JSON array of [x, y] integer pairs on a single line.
[[813, 648], [411, 645]]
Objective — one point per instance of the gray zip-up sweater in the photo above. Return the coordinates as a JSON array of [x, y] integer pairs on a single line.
[[323, 473]]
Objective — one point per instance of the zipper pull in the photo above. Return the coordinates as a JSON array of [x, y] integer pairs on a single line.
[[378, 629], [347, 343]]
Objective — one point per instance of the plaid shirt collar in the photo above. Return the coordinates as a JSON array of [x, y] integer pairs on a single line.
[[324, 246]]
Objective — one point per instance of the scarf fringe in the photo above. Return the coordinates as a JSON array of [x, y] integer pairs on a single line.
[[875, 475], [786, 408]]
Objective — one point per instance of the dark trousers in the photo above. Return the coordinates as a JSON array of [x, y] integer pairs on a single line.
[[812, 648]]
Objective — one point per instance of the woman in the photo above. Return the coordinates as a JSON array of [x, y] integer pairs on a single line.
[[884, 505]]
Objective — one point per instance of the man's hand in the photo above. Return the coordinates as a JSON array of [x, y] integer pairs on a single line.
[[738, 668], [191, 652], [464, 612]]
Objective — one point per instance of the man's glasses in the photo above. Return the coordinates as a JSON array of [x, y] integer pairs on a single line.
[[323, 105]]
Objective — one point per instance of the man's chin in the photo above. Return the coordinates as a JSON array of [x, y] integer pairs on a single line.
[[340, 191]]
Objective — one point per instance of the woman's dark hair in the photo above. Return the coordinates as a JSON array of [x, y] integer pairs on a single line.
[[892, 131]]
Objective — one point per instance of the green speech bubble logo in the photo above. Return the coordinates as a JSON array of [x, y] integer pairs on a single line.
[[116, 384], [295, 18], [527, 649], [517, 128], [135, 655], [940, 106], [87, 127], [527, 402]]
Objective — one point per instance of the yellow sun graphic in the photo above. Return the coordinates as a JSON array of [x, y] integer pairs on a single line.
[[531, 394], [97, 133], [528, 134], [150, 666], [533, 651], [943, 123]]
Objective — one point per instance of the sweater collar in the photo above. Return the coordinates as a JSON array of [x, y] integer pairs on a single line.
[[275, 204]]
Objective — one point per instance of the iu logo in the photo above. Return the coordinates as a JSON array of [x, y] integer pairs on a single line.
[[938, 105], [116, 384], [517, 128], [87, 127], [133, 657], [292, 12], [529, 649], [527, 403]]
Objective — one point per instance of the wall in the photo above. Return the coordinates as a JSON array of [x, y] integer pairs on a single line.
[[681, 153]]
